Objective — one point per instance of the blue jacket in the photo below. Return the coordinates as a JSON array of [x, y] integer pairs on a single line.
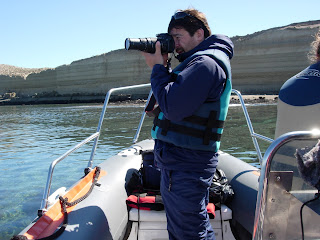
[[303, 88], [202, 80], [202, 130]]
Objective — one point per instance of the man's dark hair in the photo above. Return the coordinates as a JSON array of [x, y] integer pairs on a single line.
[[193, 21]]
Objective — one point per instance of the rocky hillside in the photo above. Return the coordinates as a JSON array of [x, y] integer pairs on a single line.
[[8, 70], [263, 61]]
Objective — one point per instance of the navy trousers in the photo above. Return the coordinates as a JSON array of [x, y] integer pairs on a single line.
[[185, 195]]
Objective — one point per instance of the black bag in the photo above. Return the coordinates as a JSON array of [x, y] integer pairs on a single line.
[[147, 178], [150, 173], [220, 190]]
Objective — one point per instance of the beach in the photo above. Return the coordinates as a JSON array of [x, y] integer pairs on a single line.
[[251, 99]]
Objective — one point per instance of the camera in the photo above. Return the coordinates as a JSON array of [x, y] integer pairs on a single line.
[[149, 44]]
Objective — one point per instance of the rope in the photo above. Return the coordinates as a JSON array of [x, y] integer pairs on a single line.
[[64, 204], [95, 179]]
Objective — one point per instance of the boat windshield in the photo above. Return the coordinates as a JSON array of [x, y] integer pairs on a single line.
[[283, 207]]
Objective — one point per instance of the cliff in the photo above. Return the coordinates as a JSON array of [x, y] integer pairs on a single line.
[[88, 77], [263, 61]]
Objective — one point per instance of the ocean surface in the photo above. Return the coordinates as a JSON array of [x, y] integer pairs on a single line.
[[31, 137]]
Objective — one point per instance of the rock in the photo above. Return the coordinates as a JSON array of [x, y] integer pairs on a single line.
[[10, 95]]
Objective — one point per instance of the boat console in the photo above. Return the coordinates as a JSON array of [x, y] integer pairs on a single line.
[[288, 207]]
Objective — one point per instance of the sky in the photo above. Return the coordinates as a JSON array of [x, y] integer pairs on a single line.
[[50, 33]]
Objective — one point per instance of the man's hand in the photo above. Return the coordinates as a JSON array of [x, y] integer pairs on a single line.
[[156, 58]]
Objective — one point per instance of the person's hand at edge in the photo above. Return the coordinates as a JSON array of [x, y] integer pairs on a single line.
[[156, 58]]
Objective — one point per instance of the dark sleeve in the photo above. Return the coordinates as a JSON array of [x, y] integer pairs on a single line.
[[203, 79]]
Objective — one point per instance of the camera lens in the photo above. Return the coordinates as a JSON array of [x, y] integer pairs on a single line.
[[127, 44], [149, 44], [142, 44]]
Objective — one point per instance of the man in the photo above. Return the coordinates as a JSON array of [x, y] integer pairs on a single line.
[[193, 100], [299, 99]]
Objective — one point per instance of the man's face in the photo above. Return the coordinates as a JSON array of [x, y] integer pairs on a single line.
[[183, 41]]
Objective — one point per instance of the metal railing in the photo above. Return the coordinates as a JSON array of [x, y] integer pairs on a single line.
[[46, 194], [265, 172], [106, 101], [253, 135], [95, 136], [135, 139]]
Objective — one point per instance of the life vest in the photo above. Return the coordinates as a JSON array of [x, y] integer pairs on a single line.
[[155, 203], [202, 130], [145, 202], [299, 102]]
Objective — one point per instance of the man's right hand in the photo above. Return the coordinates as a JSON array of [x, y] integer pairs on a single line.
[[156, 58]]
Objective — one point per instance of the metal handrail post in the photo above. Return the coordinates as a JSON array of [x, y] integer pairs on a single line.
[[135, 139], [106, 101], [44, 202], [252, 133]]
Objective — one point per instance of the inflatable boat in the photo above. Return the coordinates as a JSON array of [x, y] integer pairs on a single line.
[[274, 201]]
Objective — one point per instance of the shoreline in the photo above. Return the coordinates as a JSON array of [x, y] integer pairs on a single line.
[[234, 99], [263, 98]]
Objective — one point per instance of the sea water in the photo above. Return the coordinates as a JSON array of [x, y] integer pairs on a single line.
[[31, 137]]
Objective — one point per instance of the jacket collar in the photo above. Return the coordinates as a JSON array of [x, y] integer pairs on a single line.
[[213, 42]]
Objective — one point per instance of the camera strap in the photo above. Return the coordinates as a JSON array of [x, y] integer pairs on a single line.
[[168, 67], [151, 109]]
